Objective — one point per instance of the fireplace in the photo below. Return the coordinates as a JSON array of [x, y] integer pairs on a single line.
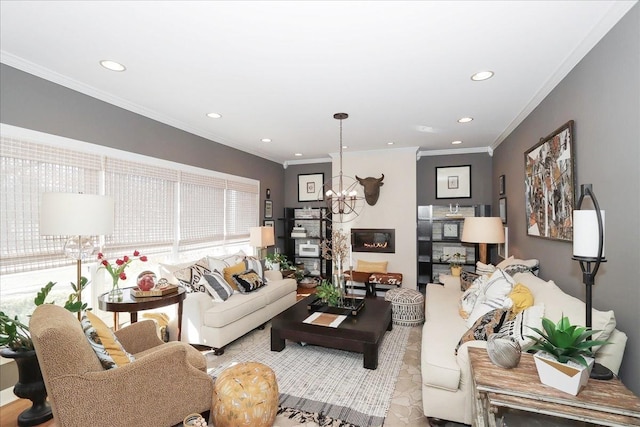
[[373, 240]]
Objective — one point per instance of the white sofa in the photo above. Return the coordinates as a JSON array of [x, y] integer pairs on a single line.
[[446, 378], [216, 324]]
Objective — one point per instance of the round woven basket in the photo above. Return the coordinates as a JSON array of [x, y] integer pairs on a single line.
[[308, 283]]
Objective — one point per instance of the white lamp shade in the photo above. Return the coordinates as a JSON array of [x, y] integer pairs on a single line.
[[483, 229], [75, 214], [585, 233], [261, 237]]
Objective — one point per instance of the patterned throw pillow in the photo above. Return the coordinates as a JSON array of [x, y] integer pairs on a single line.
[[217, 287], [484, 327], [253, 263], [104, 343], [513, 265], [519, 327], [230, 271], [466, 279], [248, 281], [189, 277]]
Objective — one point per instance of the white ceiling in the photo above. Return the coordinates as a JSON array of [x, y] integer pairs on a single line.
[[280, 70]]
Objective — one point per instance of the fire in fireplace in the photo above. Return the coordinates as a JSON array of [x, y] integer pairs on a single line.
[[373, 240]]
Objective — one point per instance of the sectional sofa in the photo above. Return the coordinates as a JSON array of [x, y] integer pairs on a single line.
[[446, 378]]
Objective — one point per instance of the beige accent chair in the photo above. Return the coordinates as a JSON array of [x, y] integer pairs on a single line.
[[165, 383]]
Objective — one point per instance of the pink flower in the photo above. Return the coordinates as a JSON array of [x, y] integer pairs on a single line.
[[123, 276], [119, 261], [100, 255], [105, 262], [143, 258], [136, 253]]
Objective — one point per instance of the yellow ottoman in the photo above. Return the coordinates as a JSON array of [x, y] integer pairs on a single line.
[[245, 394]]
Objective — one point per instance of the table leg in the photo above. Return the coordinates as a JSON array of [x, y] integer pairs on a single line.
[[370, 356], [134, 316], [180, 321], [277, 343], [116, 323]]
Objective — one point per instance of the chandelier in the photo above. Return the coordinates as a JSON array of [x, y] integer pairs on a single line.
[[341, 192]]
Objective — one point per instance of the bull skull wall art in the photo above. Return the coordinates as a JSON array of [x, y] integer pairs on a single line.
[[371, 188]]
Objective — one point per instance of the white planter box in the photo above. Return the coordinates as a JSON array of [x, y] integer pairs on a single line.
[[568, 377]]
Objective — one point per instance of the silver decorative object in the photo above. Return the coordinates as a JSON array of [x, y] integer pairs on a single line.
[[503, 351]]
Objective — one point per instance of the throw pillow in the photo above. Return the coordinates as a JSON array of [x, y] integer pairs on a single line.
[[484, 327], [500, 284], [104, 343], [190, 276], [522, 298], [482, 268], [372, 266], [468, 300], [248, 281], [167, 270], [221, 262], [486, 306], [253, 263], [466, 279], [230, 271], [217, 287], [519, 327], [513, 265]]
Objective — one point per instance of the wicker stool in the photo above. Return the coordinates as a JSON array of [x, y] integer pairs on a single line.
[[245, 394], [407, 306]]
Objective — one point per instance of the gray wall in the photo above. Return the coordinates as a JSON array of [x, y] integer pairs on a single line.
[[34, 103], [481, 190], [602, 95]]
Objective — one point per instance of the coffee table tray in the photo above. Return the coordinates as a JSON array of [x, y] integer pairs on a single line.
[[352, 306]]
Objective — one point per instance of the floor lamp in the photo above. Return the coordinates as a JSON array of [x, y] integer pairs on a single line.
[[588, 250], [261, 238], [81, 216], [483, 230]]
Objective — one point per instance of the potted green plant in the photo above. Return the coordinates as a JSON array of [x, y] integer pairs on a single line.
[[277, 261], [329, 294], [455, 263], [563, 354], [16, 343]]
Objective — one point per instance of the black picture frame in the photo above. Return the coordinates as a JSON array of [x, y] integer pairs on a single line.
[[451, 230], [310, 187], [268, 209], [268, 223], [502, 185], [550, 185], [453, 182], [502, 209]]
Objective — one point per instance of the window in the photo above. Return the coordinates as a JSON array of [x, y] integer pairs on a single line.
[[161, 208]]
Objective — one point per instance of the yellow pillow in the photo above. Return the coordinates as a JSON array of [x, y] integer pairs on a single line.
[[230, 271], [522, 298], [372, 266], [105, 344]]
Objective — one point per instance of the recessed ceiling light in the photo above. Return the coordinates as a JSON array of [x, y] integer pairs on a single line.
[[344, 147], [390, 143], [456, 142], [482, 75], [465, 119], [214, 115], [265, 140], [298, 154], [112, 65]]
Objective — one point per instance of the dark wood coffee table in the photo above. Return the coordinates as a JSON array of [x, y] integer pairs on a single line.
[[361, 334]]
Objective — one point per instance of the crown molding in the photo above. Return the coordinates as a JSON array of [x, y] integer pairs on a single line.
[[450, 151]]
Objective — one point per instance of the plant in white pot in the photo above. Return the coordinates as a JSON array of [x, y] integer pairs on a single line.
[[564, 357]]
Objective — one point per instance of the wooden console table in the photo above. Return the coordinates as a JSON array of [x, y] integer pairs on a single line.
[[496, 389]]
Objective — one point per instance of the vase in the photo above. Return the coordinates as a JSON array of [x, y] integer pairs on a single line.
[[569, 377], [455, 271], [30, 386], [115, 294]]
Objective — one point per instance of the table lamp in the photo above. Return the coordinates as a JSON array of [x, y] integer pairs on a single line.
[[483, 230], [80, 216], [261, 238], [588, 250]]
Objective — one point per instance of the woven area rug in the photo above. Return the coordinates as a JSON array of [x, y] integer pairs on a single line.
[[331, 383]]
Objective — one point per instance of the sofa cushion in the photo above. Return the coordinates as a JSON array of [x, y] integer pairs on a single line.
[[167, 271], [277, 289], [221, 262], [216, 286], [520, 326], [231, 270], [190, 276], [235, 308], [466, 279], [514, 265], [248, 281], [253, 263], [486, 325]]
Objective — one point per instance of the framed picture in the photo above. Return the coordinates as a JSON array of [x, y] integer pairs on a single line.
[[268, 208], [550, 185], [453, 182], [310, 187], [451, 230], [503, 209], [503, 248], [501, 185], [268, 223]]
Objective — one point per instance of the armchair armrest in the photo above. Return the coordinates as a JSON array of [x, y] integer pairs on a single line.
[[139, 336], [272, 275]]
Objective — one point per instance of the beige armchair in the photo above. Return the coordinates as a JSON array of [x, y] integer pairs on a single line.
[[165, 383]]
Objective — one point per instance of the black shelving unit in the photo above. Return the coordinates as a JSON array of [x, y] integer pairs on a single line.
[[317, 224], [438, 235]]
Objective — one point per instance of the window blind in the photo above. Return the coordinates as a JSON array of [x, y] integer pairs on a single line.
[[241, 209], [201, 210]]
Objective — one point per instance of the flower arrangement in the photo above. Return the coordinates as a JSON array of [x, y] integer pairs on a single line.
[[117, 271], [337, 249]]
